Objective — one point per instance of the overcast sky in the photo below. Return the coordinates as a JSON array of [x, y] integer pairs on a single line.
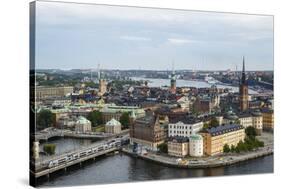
[[70, 36]]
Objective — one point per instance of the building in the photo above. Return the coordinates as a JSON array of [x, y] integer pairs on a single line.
[[66, 122], [83, 125], [257, 121], [178, 146], [253, 119], [184, 126], [102, 87], [173, 88], [219, 118], [43, 92], [206, 103], [184, 103], [230, 117], [113, 111], [243, 91], [246, 120], [267, 119], [147, 132], [216, 137], [196, 146], [113, 126], [102, 83]]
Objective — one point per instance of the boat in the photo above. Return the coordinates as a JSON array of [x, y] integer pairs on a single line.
[[210, 80]]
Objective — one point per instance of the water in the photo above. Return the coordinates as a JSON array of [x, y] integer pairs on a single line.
[[187, 83], [64, 145], [123, 168]]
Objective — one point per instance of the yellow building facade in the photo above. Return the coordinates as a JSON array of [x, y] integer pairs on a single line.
[[268, 119], [215, 138]]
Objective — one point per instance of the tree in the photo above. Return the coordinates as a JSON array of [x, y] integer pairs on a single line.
[[214, 122], [125, 120], [261, 143], [237, 150], [163, 147], [45, 119], [50, 149], [250, 132], [241, 146], [95, 117], [232, 148], [226, 148]]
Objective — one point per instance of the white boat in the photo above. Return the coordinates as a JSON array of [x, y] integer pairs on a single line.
[[210, 80]]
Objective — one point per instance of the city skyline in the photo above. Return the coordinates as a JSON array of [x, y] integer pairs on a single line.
[[81, 36]]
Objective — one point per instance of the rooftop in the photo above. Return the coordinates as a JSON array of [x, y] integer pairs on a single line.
[[178, 139], [184, 119], [82, 120], [113, 122], [195, 137], [214, 131]]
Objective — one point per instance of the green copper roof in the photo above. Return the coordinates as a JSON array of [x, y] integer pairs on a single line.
[[82, 120], [195, 137]]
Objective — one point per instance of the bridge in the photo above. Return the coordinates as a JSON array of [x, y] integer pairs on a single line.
[[43, 168]]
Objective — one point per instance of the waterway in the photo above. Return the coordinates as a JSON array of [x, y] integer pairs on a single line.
[[187, 83], [123, 168]]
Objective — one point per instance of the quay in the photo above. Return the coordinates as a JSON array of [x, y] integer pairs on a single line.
[[204, 162], [208, 161]]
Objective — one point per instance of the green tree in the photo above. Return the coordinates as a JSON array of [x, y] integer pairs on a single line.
[[241, 146], [232, 148], [125, 120], [95, 117], [45, 119], [214, 122], [226, 148], [261, 144], [50, 149], [163, 147], [237, 150], [250, 132]]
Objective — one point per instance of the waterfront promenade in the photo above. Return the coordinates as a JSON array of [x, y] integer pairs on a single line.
[[51, 132], [208, 161]]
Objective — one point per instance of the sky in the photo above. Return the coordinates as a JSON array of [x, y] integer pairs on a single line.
[[81, 36]]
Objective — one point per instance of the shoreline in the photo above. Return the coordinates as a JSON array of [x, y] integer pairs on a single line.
[[203, 164]]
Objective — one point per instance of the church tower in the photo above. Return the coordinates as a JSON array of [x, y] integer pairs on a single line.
[[243, 90], [173, 88], [102, 83]]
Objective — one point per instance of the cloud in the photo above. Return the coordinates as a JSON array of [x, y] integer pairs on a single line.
[[135, 38], [178, 41]]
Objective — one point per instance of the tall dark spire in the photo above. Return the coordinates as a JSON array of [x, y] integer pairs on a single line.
[[243, 80]]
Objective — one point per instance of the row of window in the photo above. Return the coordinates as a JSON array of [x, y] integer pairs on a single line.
[[180, 132]]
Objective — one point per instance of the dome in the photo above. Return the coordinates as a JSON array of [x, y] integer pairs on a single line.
[[82, 120], [113, 122]]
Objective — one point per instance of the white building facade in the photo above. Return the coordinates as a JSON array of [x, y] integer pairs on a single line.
[[246, 121], [184, 128], [257, 123], [83, 125], [196, 146], [113, 126]]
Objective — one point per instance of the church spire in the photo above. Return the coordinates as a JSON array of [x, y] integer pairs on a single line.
[[243, 72]]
